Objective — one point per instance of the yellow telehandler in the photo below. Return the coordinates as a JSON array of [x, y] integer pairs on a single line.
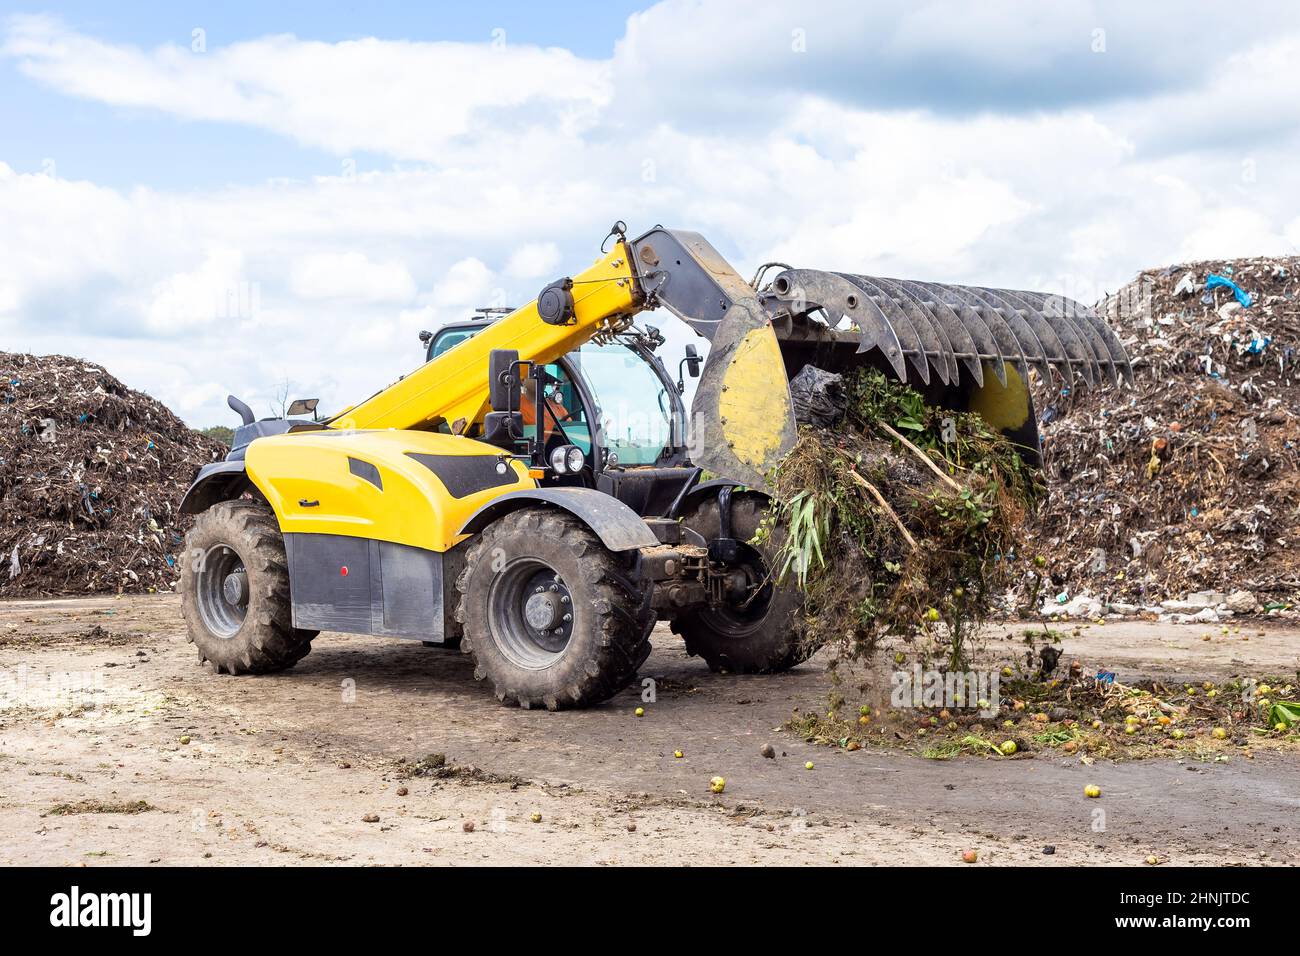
[[535, 494]]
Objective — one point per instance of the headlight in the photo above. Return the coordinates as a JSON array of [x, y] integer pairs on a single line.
[[567, 460]]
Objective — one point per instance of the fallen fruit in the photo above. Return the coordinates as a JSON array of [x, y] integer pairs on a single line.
[[1152, 860], [808, 765], [1008, 747], [768, 751], [932, 614], [1218, 733], [468, 826], [970, 856], [640, 712], [1092, 790], [536, 818], [678, 754], [1177, 733], [717, 784], [185, 739], [402, 791]]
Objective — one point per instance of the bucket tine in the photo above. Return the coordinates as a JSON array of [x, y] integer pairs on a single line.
[[903, 328], [1110, 353], [935, 346], [839, 298], [1077, 348], [957, 335], [1005, 347]]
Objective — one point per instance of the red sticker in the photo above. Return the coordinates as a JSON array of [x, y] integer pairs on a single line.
[[344, 570]]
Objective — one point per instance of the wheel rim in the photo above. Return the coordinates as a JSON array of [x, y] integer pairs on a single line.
[[530, 613], [221, 591]]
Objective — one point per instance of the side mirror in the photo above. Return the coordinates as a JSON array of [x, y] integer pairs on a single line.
[[503, 380], [503, 429], [692, 365], [303, 406], [693, 361]]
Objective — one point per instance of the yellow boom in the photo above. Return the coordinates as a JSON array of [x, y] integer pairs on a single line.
[[453, 388]]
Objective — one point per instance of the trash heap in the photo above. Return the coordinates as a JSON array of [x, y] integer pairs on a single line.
[[894, 517], [91, 477], [1185, 486]]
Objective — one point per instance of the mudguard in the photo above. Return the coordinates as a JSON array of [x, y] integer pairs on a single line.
[[218, 481], [618, 526]]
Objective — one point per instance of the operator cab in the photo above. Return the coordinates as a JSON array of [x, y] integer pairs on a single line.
[[616, 402]]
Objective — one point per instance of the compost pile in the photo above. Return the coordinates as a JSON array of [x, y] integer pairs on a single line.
[[1187, 482], [894, 517], [91, 477]]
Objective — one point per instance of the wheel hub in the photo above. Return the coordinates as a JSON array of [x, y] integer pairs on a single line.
[[542, 611], [532, 613], [235, 588]]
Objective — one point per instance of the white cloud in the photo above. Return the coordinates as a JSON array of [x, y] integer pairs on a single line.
[[514, 162], [408, 99], [534, 260], [350, 275]]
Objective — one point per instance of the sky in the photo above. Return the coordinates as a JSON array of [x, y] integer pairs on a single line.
[[231, 198]]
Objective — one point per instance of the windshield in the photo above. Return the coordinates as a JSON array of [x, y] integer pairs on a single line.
[[633, 407]]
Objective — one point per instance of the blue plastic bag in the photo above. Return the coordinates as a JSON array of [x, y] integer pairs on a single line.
[[1213, 281]]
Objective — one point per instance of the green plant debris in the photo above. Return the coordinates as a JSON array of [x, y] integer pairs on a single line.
[[1082, 717], [98, 806], [880, 545]]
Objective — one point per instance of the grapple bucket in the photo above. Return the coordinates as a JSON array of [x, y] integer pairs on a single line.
[[962, 347], [940, 330]]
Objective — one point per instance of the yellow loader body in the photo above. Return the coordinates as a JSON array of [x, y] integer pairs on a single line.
[[407, 487]]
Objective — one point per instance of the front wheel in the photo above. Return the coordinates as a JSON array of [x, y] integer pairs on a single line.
[[550, 616], [234, 588], [763, 634]]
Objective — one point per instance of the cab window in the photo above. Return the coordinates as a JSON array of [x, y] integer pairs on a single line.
[[449, 338], [634, 408]]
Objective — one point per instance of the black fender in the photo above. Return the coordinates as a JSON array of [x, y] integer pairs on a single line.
[[217, 481], [709, 489], [618, 526]]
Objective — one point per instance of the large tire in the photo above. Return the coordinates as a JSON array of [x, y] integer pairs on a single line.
[[516, 632], [766, 637], [244, 626]]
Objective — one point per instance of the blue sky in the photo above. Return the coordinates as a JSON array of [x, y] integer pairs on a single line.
[[130, 147], [298, 199]]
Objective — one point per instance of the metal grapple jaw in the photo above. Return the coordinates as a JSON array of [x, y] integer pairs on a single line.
[[940, 330], [961, 347]]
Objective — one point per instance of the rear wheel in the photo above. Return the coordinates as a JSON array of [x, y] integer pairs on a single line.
[[762, 634], [550, 616], [234, 588]]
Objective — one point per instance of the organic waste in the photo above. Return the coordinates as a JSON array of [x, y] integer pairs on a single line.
[[896, 518], [91, 478]]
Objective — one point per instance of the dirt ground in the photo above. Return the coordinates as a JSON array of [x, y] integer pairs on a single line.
[[103, 705]]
